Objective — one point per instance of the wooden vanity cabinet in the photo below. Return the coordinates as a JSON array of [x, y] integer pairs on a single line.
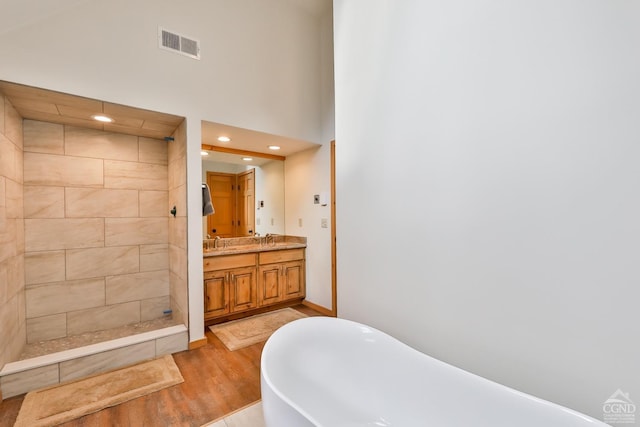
[[238, 283], [216, 294], [270, 278], [243, 293], [280, 276], [229, 290], [293, 274]]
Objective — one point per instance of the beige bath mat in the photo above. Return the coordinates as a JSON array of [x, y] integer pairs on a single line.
[[65, 402], [244, 332]]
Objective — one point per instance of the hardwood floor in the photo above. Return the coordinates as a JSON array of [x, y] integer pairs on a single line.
[[216, 382]]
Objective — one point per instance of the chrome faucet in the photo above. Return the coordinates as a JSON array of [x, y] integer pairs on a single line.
[[270, 236], [215, 242]]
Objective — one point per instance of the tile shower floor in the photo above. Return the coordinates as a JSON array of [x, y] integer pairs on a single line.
[[53, 346]]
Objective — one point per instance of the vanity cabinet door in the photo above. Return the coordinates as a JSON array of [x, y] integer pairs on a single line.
[[280, 282], [243, 289], [216, 294], [293, 279], [270, 288]]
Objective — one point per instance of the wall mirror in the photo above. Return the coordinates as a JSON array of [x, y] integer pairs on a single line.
[[247, 193], [246, 179]]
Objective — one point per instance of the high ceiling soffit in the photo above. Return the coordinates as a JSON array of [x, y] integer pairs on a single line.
[[56, 107]]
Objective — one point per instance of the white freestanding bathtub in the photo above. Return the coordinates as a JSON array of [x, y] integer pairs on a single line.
[[328, 372]]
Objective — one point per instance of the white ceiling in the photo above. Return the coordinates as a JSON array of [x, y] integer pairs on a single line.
[[235, 159], [250, 140], [56, 107]]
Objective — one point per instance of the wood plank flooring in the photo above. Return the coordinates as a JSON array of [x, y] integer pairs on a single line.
[[217, 382]]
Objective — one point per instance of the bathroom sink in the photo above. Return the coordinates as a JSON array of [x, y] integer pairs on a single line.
[[244, 244]]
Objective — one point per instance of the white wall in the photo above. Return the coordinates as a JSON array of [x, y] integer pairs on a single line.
[[327, 87], [308, 173], [487, 174], [260, 69], [270, 188]]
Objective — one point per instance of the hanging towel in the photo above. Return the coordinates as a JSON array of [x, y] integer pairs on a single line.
[[207, 206]]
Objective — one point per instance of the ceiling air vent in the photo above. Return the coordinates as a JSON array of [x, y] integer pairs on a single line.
[[178, 43]]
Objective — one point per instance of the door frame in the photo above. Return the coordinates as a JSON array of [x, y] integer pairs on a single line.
[[334, 258]]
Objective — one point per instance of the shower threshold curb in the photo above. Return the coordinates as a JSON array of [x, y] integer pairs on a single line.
[[63, 356]]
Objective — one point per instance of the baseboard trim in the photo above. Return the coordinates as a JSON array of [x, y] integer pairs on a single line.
[[198, 343], [319, 308]]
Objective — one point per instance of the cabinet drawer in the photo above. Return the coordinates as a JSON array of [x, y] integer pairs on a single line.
[[281, 256], [229, 261]]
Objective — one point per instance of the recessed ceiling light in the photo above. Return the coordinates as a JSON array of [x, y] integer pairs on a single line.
[[247, 159], [204, 153], [102, 118], [274, 147], [224, 139]]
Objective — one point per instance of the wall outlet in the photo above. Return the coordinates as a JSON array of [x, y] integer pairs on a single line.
[[273, 221], [324, 223], [257, 221]]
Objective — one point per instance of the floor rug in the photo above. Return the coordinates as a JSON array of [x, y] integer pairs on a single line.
[[244, 332], [65, 402]]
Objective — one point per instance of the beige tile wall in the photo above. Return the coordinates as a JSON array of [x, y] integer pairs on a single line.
[[13, 325], [177, 177], [96, 229]]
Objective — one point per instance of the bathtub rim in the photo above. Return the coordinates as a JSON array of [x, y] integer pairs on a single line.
[[517, 393], [265, 377]]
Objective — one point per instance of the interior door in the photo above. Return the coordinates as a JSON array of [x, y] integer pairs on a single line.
[[246, 203], [223, 195]]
